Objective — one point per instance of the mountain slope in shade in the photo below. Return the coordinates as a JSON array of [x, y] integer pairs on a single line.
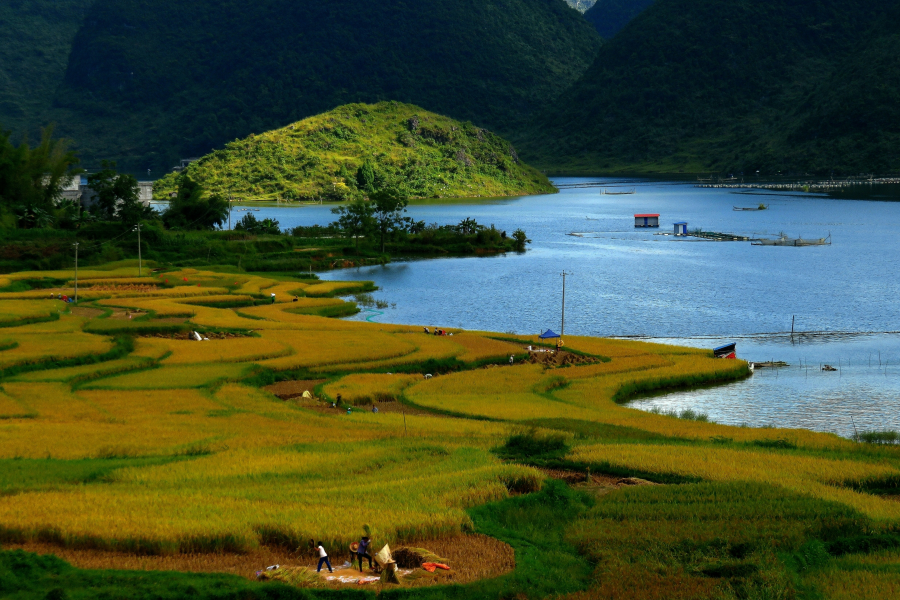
[[35, 39], [693, 85], [851, 122], [610, 16], [192, 74]]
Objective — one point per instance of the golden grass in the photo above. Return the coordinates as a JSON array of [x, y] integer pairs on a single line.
[[624, 364], [426, 347], [816, 476], [172, 377], [622, 348], [10, 407], [17, 310], [317, 348], [370, 385], [83, 371], [37, 347], [280, 312], [53, 402], [330, 287], [478, 347], [261, 464], [243, 349]]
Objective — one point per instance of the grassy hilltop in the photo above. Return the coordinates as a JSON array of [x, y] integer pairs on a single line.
[[148, 87], [423, 154], [129, 449], [695, 85]]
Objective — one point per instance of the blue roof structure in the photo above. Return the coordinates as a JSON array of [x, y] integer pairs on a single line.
[[548, 334]]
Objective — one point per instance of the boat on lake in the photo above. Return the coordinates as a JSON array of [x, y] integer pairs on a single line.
[[760, 207]]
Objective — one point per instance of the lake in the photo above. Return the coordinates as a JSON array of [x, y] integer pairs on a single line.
[[624, 281]]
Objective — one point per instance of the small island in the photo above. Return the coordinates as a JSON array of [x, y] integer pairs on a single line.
[[349, 152]]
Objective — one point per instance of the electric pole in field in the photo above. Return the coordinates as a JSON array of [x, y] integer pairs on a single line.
[[562, 330], [76, 272], [140, 260]]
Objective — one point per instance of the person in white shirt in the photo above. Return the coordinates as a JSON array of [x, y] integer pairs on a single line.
[[323, 558]]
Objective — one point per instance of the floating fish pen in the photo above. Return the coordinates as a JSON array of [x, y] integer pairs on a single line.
[[719, 237], [609, 193], [786, 241], [810, 186], [760, 207]]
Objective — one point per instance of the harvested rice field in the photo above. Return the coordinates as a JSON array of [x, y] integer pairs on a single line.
[[128, 445], [471, 557]]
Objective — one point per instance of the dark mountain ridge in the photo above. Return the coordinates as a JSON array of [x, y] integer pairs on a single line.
[[692, 85], [189, 75]]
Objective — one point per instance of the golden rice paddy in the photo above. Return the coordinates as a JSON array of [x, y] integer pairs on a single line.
[[215, 464]]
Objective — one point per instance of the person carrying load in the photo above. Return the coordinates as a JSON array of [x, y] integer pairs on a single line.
[[362, 551]]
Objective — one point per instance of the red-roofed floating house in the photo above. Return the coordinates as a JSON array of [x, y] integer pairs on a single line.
[[646, 220]]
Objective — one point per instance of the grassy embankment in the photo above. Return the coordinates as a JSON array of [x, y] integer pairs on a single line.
[[170, 446]]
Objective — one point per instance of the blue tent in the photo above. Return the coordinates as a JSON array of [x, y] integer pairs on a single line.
[[548, 334]]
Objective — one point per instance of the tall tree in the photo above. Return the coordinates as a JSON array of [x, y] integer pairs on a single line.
[[389, 204], [193, 209], [356, 219], [33, 178], [117, 195], [366, 177]]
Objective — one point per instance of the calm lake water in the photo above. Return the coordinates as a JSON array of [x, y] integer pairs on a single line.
[[632, 282]]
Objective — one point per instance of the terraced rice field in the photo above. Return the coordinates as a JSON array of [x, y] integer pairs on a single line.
[[122, 435]]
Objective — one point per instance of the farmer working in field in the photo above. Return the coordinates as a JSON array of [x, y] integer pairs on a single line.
[[323, 558], [362, 551]]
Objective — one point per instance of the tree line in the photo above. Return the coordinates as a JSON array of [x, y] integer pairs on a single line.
[[33, 180]]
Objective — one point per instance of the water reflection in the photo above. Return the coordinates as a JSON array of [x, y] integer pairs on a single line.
[[862, 394]]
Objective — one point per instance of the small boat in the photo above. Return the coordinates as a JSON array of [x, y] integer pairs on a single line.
[[725, 351], [760, 207], [608, 193]]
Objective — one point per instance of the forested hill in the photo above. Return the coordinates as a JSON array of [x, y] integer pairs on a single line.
[[35, 38], [851, 121], [732, 85], [152, 86], [610, 16], [358, 149]]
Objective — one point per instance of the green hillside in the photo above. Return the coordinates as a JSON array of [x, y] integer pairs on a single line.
[[695, 85], [35, 38], [328, 157], [148, 87], [610, 16], [851, 121]]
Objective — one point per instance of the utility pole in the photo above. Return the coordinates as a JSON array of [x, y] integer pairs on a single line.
[[140, 260], [76, 272], [562, 330]]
